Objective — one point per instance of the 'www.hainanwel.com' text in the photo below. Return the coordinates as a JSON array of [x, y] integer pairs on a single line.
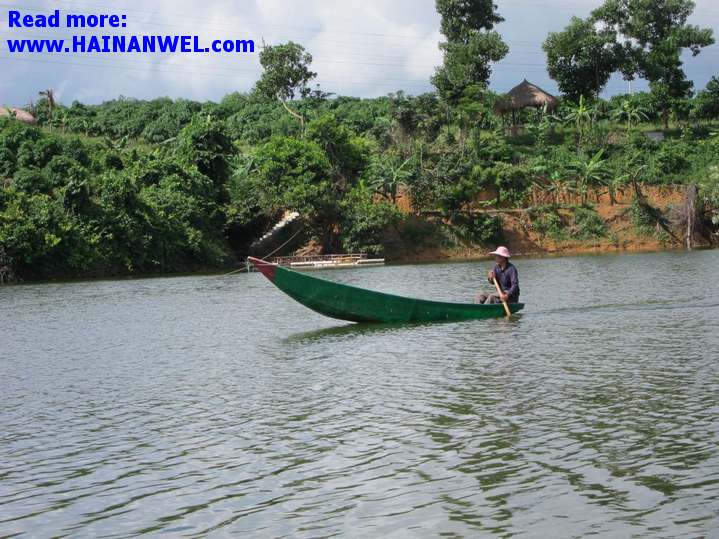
[[130, 44]]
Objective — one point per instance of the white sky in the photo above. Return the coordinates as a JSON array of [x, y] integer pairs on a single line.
[[361, 47]]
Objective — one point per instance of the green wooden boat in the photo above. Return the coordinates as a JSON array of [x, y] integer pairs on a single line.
[[353, 304]]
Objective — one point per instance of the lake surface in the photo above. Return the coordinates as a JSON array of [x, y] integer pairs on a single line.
[[216, 406]]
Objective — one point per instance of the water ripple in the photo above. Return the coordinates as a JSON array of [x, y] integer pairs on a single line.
[[172, 406]]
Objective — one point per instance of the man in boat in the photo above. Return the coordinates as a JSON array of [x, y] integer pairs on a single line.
[[506, 274]]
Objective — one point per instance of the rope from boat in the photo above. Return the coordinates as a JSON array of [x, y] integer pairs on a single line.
[[284, 244], [236, 271], [268, 255]]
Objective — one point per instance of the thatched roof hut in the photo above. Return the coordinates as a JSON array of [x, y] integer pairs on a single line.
[[526, 95], [18, 114]]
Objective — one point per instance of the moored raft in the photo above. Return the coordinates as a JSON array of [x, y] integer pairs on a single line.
[[328, 261], [352, 304]]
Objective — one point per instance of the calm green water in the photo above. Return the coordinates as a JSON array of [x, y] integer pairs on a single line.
[[215, 405]]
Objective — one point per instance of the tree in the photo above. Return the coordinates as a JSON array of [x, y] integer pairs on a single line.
[[345, 152], [461, 18], [471, 46], [582, 58], [706, 105], [185, 217], [287, 74], [654, 33], [287, 173], [292, 174], [365, 221], [205, 144]]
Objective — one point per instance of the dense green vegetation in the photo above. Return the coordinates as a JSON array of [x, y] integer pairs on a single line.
[[158, 186]]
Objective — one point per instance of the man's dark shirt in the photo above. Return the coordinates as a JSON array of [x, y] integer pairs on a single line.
[[508, 279]]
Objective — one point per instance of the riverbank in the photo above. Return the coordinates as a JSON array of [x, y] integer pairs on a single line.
[[547, 226], [602, 224]]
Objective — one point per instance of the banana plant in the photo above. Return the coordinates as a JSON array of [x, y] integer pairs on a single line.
[[590, 172], [583, 116], [388, 175], [629, 112]]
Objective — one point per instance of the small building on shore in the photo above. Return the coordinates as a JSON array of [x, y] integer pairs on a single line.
[[19, 114], [525, 95]]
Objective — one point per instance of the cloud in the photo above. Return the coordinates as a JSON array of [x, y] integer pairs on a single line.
[[360, 47]]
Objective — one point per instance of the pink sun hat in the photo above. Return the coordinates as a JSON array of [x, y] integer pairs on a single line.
[[502, 251]]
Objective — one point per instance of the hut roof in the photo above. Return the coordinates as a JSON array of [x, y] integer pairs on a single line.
[[19, 114], [526, 95]]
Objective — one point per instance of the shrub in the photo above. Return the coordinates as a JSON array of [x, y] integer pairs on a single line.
[[492, 147], [588, 224], [477, 229], [642, 219], [672, 158], [511, 181], [709, 192], [548, 223]]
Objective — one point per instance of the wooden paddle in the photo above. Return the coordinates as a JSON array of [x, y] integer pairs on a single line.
[[499, 291]]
